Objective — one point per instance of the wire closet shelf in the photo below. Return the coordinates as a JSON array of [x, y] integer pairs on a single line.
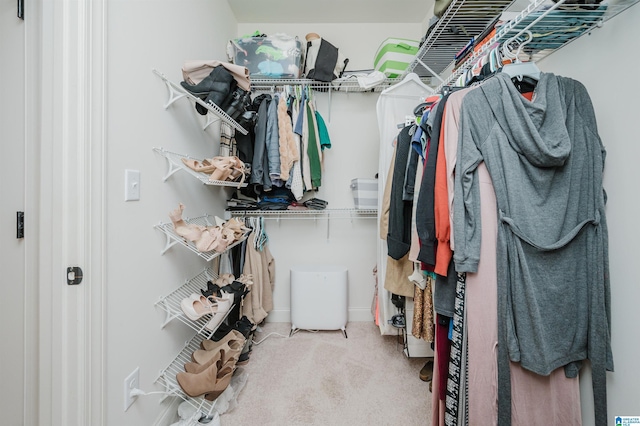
[[172, 238], [552, 25], [175, 164]]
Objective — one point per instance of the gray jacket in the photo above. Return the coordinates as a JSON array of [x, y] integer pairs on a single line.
[[546, 163]]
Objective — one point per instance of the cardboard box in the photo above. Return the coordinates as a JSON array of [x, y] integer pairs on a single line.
[[365, 193]]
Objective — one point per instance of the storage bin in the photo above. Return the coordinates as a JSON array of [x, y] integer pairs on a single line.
[[394, 56], [365, 193], [275, 56]]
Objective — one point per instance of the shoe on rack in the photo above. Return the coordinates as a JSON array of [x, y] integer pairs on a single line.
[[203, 358], [223, 379], [188, 231], [195, 368], [237, 103], [213, 379], [196, 306], [209, 239], [213, 289], [223, 305], [224, 241], [219, 81], [203, 166], [230, 348], [238, 227], [243, 325]]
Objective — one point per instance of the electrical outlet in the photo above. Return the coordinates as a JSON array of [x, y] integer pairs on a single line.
[[131, 382]]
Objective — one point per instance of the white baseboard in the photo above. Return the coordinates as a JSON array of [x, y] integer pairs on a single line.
[[355, 315], [169, 414]]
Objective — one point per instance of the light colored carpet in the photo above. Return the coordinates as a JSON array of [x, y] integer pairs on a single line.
[[324, 379]]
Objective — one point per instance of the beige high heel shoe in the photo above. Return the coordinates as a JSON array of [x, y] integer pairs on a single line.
[[203, 166], [204, 382], [224, 167], [196, 306], [223, 305], [225, 349], [210, 239], [186, 230], [237, 226], [223, 378]]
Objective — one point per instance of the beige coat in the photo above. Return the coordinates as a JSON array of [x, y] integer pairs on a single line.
[[261, 265], [396, 279]]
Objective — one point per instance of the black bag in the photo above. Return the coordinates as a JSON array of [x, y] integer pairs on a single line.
[[323, 61]]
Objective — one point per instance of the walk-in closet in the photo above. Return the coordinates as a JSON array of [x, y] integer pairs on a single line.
[[436, 229]]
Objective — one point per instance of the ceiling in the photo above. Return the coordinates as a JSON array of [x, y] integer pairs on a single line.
[[331, 11]]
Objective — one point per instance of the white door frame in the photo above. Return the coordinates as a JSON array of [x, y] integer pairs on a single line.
[[69, 134]]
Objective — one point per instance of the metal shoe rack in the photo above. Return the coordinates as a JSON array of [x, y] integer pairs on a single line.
[[215, 112], [175, 164], [171, 305], [167, 377], [173, 238]]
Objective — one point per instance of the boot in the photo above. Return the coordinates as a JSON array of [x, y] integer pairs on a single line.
[[240, 99], [210, 382], [217, 80]]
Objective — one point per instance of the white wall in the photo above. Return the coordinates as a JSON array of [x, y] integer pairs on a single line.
[[143, 35], [598, 60], [352, 122], [162, 34]]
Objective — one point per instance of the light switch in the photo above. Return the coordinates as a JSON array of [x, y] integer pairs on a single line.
[[131, 185]]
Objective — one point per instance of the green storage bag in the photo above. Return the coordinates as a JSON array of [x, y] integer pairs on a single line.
[[394, 55]]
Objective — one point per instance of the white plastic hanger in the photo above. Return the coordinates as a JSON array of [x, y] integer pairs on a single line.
[[409, 79], [517, 68]]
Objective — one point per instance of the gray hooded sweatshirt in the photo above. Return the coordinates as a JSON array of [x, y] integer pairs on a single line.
[[546, 162]]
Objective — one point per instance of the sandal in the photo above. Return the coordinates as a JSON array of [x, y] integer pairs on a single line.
[[186, 230], [223, 169], [237, 226], [203, 166], [209, 239], [224, 240]]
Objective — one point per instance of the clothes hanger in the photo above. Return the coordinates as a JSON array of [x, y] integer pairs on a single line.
[[518, 69], [409, 79]]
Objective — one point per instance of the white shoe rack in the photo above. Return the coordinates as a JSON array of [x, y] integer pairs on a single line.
[[215, 113], [175, 164], [172, 238], [171, 303], [167, 377]]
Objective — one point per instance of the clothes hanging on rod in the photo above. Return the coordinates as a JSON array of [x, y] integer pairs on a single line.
[[394, 105], [290, 136], [507, 228]]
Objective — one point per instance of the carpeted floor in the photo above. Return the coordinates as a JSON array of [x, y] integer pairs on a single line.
[[324, 379]]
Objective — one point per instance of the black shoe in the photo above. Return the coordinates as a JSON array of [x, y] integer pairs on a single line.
[[240, 99], [243, 325], [218, 80], [212, 289], [397, 321]]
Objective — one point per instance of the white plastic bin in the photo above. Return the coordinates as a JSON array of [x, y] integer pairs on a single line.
[[319, 298]]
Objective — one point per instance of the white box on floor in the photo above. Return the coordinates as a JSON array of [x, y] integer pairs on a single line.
[[319, 297]]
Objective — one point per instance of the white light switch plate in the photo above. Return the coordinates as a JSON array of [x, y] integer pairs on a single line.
[[131, 185]]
